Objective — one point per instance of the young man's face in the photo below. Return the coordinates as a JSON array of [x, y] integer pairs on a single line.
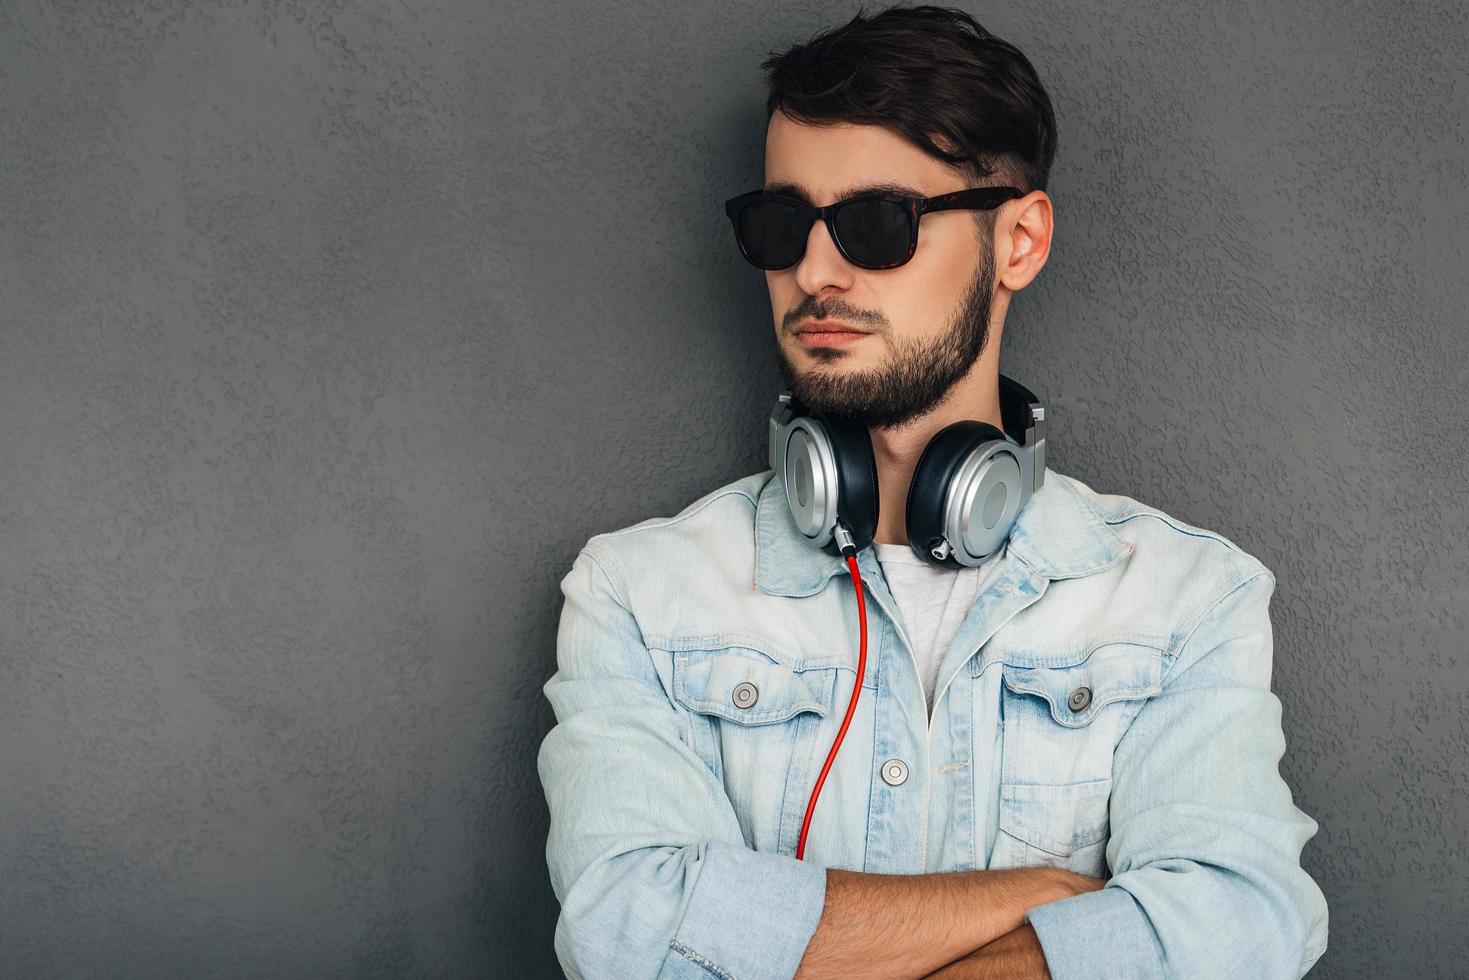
[[926, 321]]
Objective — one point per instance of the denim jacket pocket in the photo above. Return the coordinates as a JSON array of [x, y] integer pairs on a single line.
[[1063, 716], [755, 718]]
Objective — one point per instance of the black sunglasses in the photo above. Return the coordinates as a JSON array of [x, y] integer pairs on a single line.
[[871, 230]]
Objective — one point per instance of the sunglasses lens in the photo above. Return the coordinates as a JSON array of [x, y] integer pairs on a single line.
[[771, 234], [874, 232]]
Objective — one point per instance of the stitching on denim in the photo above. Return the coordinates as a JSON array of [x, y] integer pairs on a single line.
[[1173, 523], [1176, 651], [798, 695], [703, 961], [611, 582], [886, 633], [1081, 718]]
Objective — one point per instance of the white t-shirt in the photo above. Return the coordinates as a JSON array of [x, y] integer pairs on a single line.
[[933, 603]]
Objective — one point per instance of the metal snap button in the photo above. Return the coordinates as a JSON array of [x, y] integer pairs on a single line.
[[894, 772], [1079, 699], [745, 694]]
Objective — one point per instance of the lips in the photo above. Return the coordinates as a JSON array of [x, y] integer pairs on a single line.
[[828, 326], [828, 334]]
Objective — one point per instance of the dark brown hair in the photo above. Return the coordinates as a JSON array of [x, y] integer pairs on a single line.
[[933, 75]]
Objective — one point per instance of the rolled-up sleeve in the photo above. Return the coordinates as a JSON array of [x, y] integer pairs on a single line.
[[1205, 839], [645, 851]]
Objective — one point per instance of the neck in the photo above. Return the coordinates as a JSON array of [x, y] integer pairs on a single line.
[[896, 450]]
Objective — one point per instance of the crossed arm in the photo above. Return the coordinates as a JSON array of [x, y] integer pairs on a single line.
[[884, 925]]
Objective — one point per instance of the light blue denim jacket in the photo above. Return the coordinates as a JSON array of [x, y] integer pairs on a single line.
[[675, 811]]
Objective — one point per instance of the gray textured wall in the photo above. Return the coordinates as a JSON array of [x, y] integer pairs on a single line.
[[328, 332]]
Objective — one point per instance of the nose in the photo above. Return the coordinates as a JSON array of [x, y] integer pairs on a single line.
[[822, 265]]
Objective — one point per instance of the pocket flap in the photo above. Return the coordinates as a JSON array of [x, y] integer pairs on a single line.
[[705, 680], [1116, 670]]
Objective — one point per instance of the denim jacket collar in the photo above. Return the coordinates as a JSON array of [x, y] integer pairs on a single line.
[[1057, 534]]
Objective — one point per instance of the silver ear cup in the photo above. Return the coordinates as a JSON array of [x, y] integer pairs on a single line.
[[984, 498], [810, 476]]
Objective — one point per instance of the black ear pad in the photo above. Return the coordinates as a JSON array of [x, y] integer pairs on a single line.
[[936, 467], [857, 498]]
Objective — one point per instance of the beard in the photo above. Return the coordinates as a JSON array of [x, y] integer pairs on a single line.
[[915, 379]]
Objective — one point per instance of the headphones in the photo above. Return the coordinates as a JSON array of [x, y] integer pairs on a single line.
[[968, 486]]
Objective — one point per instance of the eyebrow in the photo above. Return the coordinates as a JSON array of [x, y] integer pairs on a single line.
[[884, 187]]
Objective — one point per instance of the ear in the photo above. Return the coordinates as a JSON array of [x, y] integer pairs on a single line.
[[1023, 239]]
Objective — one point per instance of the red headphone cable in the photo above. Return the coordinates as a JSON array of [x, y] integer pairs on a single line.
[[851, 554]]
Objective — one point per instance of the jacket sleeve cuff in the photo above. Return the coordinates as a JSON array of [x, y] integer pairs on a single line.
[[1097, 935], [750, 913]]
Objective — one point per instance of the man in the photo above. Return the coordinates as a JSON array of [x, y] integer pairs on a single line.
[[1063, 760]]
